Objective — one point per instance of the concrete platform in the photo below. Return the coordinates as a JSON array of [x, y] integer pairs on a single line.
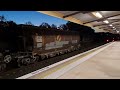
[[104, 65], [101, 63]]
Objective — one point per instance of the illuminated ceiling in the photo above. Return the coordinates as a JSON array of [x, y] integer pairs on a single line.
[[100, 21]]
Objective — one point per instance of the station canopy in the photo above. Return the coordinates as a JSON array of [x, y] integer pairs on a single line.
[[100, 21]]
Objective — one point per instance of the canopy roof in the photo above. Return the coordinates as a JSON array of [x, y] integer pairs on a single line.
[[100, 21]]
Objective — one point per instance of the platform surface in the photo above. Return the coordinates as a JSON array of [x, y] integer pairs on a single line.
[[105, 64]]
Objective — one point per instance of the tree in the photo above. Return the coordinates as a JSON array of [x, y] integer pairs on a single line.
[[2, 18], [29, 23], [78, 27], [73, 26], [3, 22], [86, 33], [11, 23], [63, 27], [53, 26], [45, 25]]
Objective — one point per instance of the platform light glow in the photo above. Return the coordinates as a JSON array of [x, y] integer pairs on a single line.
[[118, 31], [114, 29], [97, 14], [105, 21], [110, 25]]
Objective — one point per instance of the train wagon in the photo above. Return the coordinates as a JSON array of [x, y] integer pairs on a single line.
[[35, 44], [50, 43]]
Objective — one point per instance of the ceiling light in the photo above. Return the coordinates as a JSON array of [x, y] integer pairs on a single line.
[[97, 14], [110, 25], [105, 21], [117, 31], [114, 29]]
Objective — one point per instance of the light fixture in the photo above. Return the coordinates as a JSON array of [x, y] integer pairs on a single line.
[[110, 25], [117, 31], [113, 27], [105, 21], [97, 14]]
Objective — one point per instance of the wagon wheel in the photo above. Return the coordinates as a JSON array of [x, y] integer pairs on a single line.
[[26, 61], [35, 58], [42, 57], [19, 62], [7, 58], [19, 65], [2, 67], [66, 51]]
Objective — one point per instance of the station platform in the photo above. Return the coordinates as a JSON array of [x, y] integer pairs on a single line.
[[100, 63]]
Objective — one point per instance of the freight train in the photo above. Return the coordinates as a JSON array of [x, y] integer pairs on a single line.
[[26, 44]]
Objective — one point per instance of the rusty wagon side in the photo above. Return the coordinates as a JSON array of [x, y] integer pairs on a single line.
[[49, 43], [31, 44]]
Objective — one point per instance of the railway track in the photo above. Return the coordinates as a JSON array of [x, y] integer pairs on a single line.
[[12, 73]]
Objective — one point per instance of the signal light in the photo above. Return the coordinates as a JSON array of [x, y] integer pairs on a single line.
[[107, 40]]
